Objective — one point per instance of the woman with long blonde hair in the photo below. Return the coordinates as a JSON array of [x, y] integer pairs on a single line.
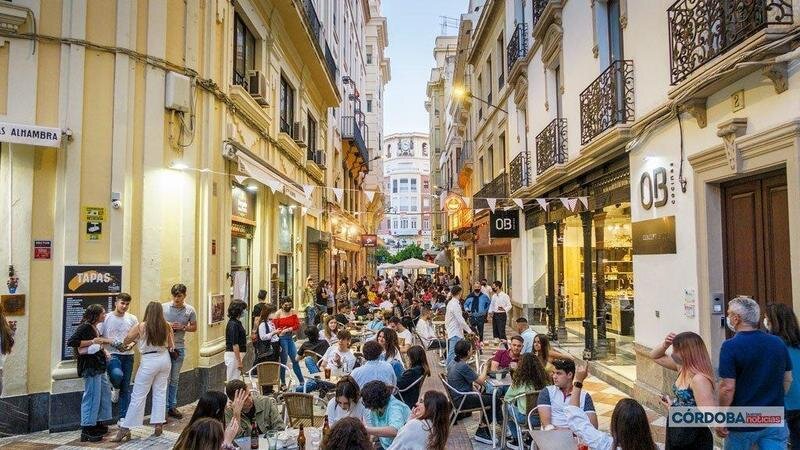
[[154, 338], [7, 330], [693, 387]]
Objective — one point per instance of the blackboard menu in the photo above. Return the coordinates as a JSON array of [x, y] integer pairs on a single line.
[[84, 286]]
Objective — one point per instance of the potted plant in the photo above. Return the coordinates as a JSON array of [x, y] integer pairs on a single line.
[[13, 280]]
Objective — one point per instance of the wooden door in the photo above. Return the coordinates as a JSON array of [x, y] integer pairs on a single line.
[[755, 225]]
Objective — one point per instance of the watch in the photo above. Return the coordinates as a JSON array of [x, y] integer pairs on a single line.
[[577, 384]]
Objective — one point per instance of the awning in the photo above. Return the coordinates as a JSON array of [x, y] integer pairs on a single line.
[[345, 245], [270, 178], [442, 259]]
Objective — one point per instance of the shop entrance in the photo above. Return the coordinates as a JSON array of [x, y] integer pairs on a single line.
[[755, 226]]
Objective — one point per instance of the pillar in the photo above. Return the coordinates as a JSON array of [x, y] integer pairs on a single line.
[[551, 281], [561, 333], [600, 282], [588, 317]]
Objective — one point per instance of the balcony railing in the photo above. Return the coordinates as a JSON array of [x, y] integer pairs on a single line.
[[333, 70], [351, 131], [464, 156], [701, 30], [538, 8], [517, 47], [520, 168], [315, 26], [551, 145], [286, 127], [497, 188], [608, 101]]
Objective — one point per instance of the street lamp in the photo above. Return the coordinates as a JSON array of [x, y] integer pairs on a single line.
[[460, 93]]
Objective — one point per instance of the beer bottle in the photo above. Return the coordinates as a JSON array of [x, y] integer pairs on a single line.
[[254, 435], [301, 439], [326, 429]]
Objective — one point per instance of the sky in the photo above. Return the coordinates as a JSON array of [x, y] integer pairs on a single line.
[[413, 27]]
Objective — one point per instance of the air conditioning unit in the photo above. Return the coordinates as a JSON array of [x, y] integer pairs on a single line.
[[298, 134], [319, 158], [257, 86]]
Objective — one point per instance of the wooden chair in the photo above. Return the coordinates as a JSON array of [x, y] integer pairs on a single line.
[[298, 409], [531, 411]]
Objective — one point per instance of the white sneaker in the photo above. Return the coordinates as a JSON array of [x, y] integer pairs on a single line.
[[114, 395]]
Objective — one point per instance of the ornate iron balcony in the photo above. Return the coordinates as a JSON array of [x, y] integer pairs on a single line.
[[551, 145], [464, 156], [517, 47], [314, 25], [351, 131], [497, 188], [538, 8], [333, 70], [520, 168], [701, 30], [608, 101]]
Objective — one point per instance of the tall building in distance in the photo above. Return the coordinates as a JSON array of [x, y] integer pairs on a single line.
[[407, 190]]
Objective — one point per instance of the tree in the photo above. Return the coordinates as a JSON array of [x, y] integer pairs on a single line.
[[382, 255], [410, 251]]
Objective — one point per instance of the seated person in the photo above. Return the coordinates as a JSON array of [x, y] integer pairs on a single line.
[[386, 414], [527, 334], [379, 321], [462, 377], [331, 327], [339, 358], [402, 332], [427, 332], [386, 304], [257, 409], [418, 367], [507, 358], [346, 402], [391, 349], [362, 309], [528, 377], [314, 344], [348, 433], [374, 368], [553, 400]]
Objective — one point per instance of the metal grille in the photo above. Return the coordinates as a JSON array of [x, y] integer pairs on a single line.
[[518, 45], [520, 169], [551, 145], [497, 188], [700, 30], [608, 101], [538, 8], [313, 20]]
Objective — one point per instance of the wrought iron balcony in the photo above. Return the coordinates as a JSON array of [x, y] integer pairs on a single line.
[[333, 70], [520, 169], [608, 101], [701, 30], [497, 188], [464, 156], [351, 131], [538, 8], [314, 25], [517, 47], [551, 145]]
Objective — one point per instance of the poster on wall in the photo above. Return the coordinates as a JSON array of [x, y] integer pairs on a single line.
[[216, 308], [84, 286]]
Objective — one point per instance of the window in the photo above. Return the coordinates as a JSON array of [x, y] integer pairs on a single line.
[[500, 66], [311, 139], [426, 202], [244, 51], [501, 147], [414, 207], [388, 223], [426, 224], [389, 150], [286, 106], [481, 172], [369, 105], [403, 185], [404, 223], [394, 186], [489, 80], [413, 223], [425, 184], [413, 185], [369, 54], [424, 149], [490, 163]]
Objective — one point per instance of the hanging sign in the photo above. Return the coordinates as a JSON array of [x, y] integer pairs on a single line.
[[17, 133], [84, 286], [369, 240], [504, 224]]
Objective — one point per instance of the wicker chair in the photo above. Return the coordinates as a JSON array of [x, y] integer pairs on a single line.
[[531, 411], [268, 374], [298, 409]]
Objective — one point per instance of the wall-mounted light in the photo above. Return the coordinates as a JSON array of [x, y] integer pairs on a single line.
[[178, 165]]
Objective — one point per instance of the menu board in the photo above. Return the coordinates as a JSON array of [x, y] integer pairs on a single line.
[[84, 286]]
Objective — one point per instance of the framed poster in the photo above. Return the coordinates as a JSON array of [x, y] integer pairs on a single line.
[[216, 308], [84, 286]]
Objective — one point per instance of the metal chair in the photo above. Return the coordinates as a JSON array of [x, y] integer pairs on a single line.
[[530, 406], [534, 412], [449, 390], [298, 408], [267, 373], [399, 392]]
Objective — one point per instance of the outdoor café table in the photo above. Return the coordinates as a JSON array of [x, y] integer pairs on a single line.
[[497, 385], [286, 439], [554, 439]]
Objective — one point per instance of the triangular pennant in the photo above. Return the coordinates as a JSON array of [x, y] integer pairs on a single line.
[[565, 202], [542, 203], [339, 193], [571, 203], [519, 203], [585, 202], [492, 202], [308, 189], [370, 195]]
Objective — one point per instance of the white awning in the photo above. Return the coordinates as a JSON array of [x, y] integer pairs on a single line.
[[268, 177]]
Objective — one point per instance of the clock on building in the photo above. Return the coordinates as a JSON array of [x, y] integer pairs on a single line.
[[405, 144]]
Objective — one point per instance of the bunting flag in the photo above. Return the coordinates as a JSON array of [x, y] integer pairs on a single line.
[[542, 203], [370, 195], [308, 189], [569, 203], [585, 202], [519, 203], [492, 202], [339, 193]]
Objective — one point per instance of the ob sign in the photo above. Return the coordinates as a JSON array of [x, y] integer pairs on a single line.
[[504, 224]]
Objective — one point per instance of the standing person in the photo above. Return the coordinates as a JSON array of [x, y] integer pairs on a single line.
[[321, 300], [288, 323], [262, 302], [454, 322], [154, 337], [235, 341], [429, 426], [386, 413], [7, 330], [782, 322], [308, 303], [268, 347], [183, 318], [96, 400], [693, 387], [120, 367], [755, 370], [485, 288], [477, 305], [499, 307]]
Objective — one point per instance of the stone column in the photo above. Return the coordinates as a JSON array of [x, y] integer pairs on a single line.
[[588, 317], [562, 301], [600, 282], [551, 282]]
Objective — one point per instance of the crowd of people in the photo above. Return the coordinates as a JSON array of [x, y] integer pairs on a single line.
[[377, 399]]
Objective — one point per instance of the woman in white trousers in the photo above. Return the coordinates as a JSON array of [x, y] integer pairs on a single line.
[[154, 338]]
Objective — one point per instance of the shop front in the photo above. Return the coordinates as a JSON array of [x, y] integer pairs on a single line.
[[493, 256], [243, 228], [318, 244], [459, 221]]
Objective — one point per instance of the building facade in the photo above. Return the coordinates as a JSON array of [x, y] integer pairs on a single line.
[[688, 163], [407, 187], [162, 142]]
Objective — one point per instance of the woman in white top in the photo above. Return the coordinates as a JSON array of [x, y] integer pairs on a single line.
[[429, 426], [7, 330], [346, 402], [154, 338], [330, 330]]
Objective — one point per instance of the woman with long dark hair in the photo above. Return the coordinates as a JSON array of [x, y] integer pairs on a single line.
[[7, 330], [348, 434], [269, 347], [529, 376], [418, 367], [781, 321], [387, 337], [429, 425], [211, 405], [346, 402], [96, 401], [208, 434], [154, 338]]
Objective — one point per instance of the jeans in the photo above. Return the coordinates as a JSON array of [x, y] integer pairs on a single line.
[[772, 438], [313, 384], [311, 365], [96, 400], [477, 324], [515, 417], [174, 375], [289, 350], [311, 315], [120, 368], [793, 422], [451, 349]]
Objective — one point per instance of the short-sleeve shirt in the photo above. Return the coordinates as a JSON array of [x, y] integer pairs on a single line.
[[347, 358], [504, 358], [183, 315], [374, 370], [116, 328], [235, 335], [395, 415], [757, 361], [554, 398], [461, 376], [527, 340]]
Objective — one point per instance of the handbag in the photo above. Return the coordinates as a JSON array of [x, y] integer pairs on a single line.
[[174, 355], [263, 349]]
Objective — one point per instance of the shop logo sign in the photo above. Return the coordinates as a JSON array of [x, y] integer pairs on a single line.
[[504, 224], [656, 189]]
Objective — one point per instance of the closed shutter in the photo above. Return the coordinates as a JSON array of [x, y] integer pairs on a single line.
[[313, 261]]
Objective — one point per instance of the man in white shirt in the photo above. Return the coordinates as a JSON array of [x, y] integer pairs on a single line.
[[526, 333], [120, 366], [485, 288], [402, 333], [426, 330], [498, 308], [454, 323], [553, 400]]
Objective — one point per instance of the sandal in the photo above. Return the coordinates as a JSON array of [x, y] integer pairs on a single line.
[[123, 435]]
